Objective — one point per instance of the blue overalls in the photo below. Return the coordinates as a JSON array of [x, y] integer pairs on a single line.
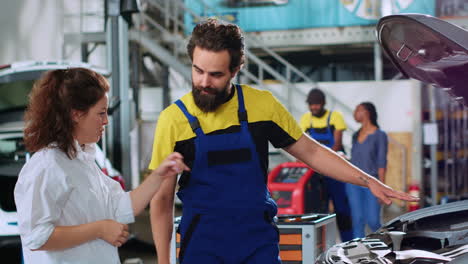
[[336, 190], [227, 209]]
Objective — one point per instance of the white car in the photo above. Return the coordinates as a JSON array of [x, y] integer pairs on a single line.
[[10, 164]]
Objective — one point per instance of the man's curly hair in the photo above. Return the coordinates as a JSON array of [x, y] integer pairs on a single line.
[[214, 35]]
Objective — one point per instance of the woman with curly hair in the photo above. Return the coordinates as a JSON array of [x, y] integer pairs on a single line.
[[68, 210]]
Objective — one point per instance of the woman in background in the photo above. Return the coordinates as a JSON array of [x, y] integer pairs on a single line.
[[369, 153], [69, 211]]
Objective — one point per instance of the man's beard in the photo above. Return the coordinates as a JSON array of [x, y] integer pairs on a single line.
[[319, 113], [209, 102]]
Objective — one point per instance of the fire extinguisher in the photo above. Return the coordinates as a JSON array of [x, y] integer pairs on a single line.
[[413, 191]]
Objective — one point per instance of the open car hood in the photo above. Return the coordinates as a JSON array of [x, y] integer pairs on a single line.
[[428, 49], [425, 214], [436, 234]]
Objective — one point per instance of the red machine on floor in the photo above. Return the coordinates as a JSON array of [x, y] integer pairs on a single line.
[[295, 189]]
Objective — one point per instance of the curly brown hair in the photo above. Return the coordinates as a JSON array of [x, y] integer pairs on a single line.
[[51, 101], [214, 35]]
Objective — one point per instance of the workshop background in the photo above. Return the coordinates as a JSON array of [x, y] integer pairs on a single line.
[[292, 46]]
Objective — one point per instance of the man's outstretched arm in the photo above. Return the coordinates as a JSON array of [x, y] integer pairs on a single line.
[[327, 162]]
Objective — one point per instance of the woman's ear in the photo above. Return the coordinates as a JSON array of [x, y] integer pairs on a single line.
[[76, 115]]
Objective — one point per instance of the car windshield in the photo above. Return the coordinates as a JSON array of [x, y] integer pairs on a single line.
[[13, 156], [14, 95]]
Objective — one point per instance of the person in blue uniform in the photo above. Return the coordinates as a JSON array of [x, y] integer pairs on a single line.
[[327, 128], [222, 130]]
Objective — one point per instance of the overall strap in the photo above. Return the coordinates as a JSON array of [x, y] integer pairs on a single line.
[[193, 121], [329, 129], [328, 119], [328, 122], [241, 112]]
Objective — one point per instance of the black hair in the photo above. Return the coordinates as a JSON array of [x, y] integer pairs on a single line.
[[216, 35], [316, 96], [370, 107]]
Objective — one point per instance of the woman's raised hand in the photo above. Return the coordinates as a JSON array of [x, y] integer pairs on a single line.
[[171, 166]]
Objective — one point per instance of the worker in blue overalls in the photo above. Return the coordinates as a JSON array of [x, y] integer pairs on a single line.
[[327, 128], [223, 131]]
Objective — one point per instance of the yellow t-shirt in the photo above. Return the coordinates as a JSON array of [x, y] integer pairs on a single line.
[[336, 121], [269, 121]]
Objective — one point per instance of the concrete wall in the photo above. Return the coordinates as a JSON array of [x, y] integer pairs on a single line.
[[34, 29], [30, 30], [396, 101]]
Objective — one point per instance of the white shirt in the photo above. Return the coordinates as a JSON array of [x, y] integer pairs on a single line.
[[53, 190]]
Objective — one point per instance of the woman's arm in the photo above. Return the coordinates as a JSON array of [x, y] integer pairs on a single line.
[[382, 151], [64, 237], [113, 232], [143, 194]]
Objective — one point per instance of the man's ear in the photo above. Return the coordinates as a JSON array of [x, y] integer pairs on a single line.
[[236, 71]]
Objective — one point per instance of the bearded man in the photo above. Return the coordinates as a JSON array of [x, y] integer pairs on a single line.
[[222, 130]]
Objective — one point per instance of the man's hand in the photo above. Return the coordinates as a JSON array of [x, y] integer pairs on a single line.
[[113, 232], [384, 192]]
